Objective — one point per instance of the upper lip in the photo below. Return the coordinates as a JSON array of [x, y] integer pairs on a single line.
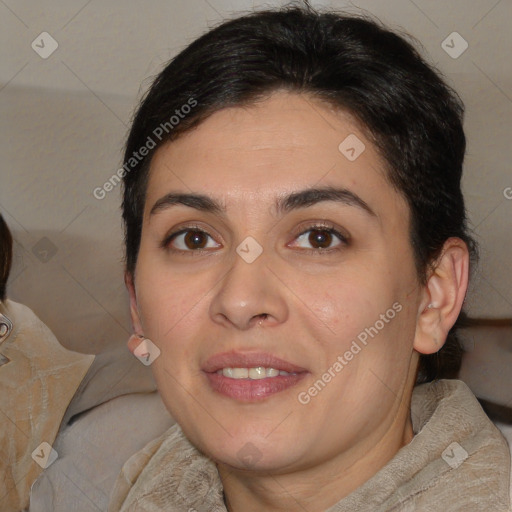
[[249, 360]]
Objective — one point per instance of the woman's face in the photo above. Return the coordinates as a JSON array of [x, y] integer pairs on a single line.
[[272, 243]]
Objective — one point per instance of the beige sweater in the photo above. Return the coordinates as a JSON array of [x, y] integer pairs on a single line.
[[457, 461], [37, 382]]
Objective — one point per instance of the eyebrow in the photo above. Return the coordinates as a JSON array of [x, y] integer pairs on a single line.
[[294, 201], [312, 196]]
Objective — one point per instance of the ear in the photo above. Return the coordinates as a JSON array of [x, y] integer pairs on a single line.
[[443, 297], [135, 338]]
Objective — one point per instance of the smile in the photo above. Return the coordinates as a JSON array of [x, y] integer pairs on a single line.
[[257, 373], [249, 376]]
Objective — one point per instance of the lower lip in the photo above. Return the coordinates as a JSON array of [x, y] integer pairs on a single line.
[[249, 390]]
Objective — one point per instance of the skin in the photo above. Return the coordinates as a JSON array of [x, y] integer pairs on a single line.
[[296, 301]]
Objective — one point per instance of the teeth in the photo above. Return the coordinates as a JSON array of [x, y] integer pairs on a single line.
[[240, 373], [227, 372], [256, 373]]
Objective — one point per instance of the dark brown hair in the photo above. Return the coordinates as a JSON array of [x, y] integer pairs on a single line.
[[5, 256], [354, 63]]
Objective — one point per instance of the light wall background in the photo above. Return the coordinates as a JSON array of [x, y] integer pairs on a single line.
[[63, 121]]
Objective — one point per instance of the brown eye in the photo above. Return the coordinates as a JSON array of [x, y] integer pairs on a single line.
[[191, 240], [320, 238], [195, 239]]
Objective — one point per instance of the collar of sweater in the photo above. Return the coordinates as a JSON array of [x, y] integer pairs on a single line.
[[457, 458]]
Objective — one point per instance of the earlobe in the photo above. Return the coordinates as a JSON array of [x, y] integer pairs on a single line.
[[444, 295], [134, 341], [134, 310]]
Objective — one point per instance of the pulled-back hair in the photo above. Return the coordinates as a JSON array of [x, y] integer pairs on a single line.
[[352, 63]]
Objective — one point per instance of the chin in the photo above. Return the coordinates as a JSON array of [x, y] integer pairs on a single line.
[[253, 452]]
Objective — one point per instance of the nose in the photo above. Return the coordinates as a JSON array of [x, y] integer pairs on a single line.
[[249, 295]]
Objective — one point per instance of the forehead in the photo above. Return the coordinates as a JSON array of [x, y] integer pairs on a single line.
[[284, 143]]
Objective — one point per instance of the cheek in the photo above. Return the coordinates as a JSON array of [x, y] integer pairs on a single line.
[[172, 307], [168, 303], [367, 319], [343, 304]]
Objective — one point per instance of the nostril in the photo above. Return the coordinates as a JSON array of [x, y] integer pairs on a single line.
[[261, 318]]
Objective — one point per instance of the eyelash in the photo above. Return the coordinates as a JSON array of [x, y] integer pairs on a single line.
[[315, 227]]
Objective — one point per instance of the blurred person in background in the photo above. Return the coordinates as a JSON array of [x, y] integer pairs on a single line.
[[38, 378]]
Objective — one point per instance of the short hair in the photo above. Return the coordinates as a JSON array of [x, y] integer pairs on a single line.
[[5, 256], [352, 63]]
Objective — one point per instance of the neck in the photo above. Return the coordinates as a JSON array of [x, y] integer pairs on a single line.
[[336, 477]]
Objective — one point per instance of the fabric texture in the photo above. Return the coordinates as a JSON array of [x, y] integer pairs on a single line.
[[37, 382], [457, 461], [92, 451], [99, 432], [113, 373]]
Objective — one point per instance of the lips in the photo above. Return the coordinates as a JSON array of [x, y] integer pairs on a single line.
[[249, 390], [249, 360]]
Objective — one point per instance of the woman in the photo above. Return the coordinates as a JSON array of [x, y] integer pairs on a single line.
[[297, 259]]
